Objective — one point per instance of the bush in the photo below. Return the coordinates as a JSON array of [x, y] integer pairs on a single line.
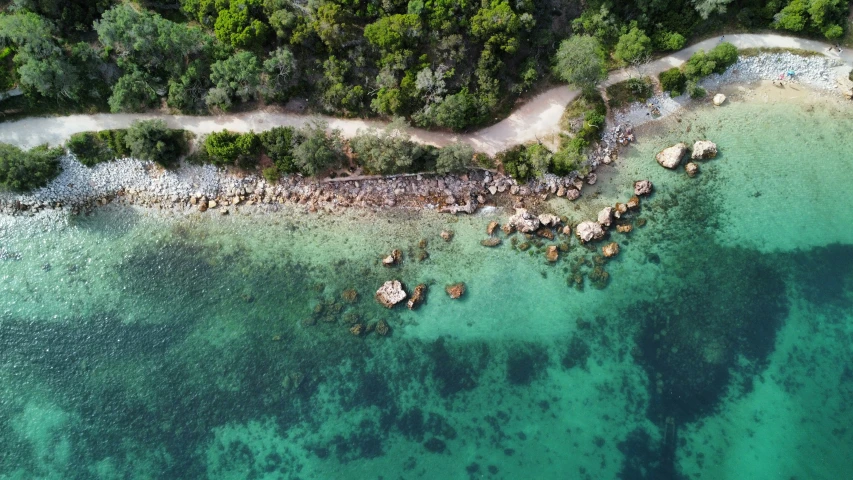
[[454, 158], [673, 81], [723, 55], [228, 148], [152, 140], [24, 171], [566, 161], [669, 41], [89, 148], [715, 61], [271, 174], [524, 162], [694, 90], [278, 145], [115, 140], [388, 150], [316, 150]]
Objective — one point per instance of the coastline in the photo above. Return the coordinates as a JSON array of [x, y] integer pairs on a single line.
[[206, 188]]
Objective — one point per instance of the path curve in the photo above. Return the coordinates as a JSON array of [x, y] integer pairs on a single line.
[[537, 118]]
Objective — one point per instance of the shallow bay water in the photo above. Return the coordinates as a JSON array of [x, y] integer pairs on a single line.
[[136, 345]]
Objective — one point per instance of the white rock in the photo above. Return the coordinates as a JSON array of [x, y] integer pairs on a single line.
[[703, 149], [588, 231], [390, 293], [671, 157], [719, 99]]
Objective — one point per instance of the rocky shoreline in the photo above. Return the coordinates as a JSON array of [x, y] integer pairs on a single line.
[[191, 188]]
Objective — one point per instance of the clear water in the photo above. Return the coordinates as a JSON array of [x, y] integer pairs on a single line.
[[138, 346]]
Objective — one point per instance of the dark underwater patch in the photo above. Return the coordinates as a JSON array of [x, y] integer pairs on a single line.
[[526, 363], [824, 275], [456, 368]]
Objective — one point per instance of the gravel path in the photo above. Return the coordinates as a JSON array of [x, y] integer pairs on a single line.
[[537, 118]]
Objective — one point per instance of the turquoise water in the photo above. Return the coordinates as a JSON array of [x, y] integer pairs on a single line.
[[134, 345]]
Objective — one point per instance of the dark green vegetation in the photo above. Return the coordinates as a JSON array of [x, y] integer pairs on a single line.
[[439, 64], [629, 91], [145, 140], [26, 170], [676, 81]]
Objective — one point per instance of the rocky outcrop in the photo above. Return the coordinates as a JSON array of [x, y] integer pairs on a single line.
[[703, 150], [624, 228], [524, 221], [643, 187], [548, 220], [671, 157], [545, 233], [456, 290], [605, 216], [395, 258], [633, 203], [490, 229], [417, 296], [692, 169], [719, 99], [491, 242], [589, 231], [610, 250], [390, 293], [508, 229], [552, 254]]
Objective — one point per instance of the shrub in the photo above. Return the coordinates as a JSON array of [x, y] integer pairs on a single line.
[[227, 148], [316, 150], [115, 140], [388, 150], [278, 145], [89, 148], [454, 157], [24, 171], [524, 162], [152, 140], [715, 61], [723, 55], [672, 81], [271, 174], [633, 46], [694, 90], [669, 41]]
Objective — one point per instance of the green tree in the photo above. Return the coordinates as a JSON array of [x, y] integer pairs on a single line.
[[152, 140], [24, 171], [454, 158], [187, 92], [709, 7], [580, 61], [33, 34], [241, 24], [280, 69], [456, 112], [394, 32], [52, 76], [147, 40], [133, 92], [633, 46], [672, 81], [237, 76], [665, 40], [566, 161], [316, 150], [499, 26], [89, 148]]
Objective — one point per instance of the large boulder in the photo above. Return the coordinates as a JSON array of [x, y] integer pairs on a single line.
[[456, 290], [703, 149], [390, 293], [491, 242], [490, 229], [417, 296], [572, 194], [524, 221], [671, 157], [589, 231], [643, 187], [605, 216], [552, 254], [692, 169], [719, 99]]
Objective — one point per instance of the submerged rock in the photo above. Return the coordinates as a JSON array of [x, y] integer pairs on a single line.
[[490, 229], [589, 231], [456, 290], [508, 229], [643, 187], [545, 233], [572, 194], [610, 250], [390, 293], [552, 254], [447, 235], [417, 296], [692, 169], [703, 150], [524, 221], [382, 328], [624, 228], [633, 203], [671, 157], [491, 242]]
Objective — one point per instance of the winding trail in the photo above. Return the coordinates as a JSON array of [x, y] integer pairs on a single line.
[[537, 118]]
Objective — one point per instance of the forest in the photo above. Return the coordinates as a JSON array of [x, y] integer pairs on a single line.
[[446, 64]]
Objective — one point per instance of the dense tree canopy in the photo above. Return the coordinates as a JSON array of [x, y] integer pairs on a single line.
[[580, 61]]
